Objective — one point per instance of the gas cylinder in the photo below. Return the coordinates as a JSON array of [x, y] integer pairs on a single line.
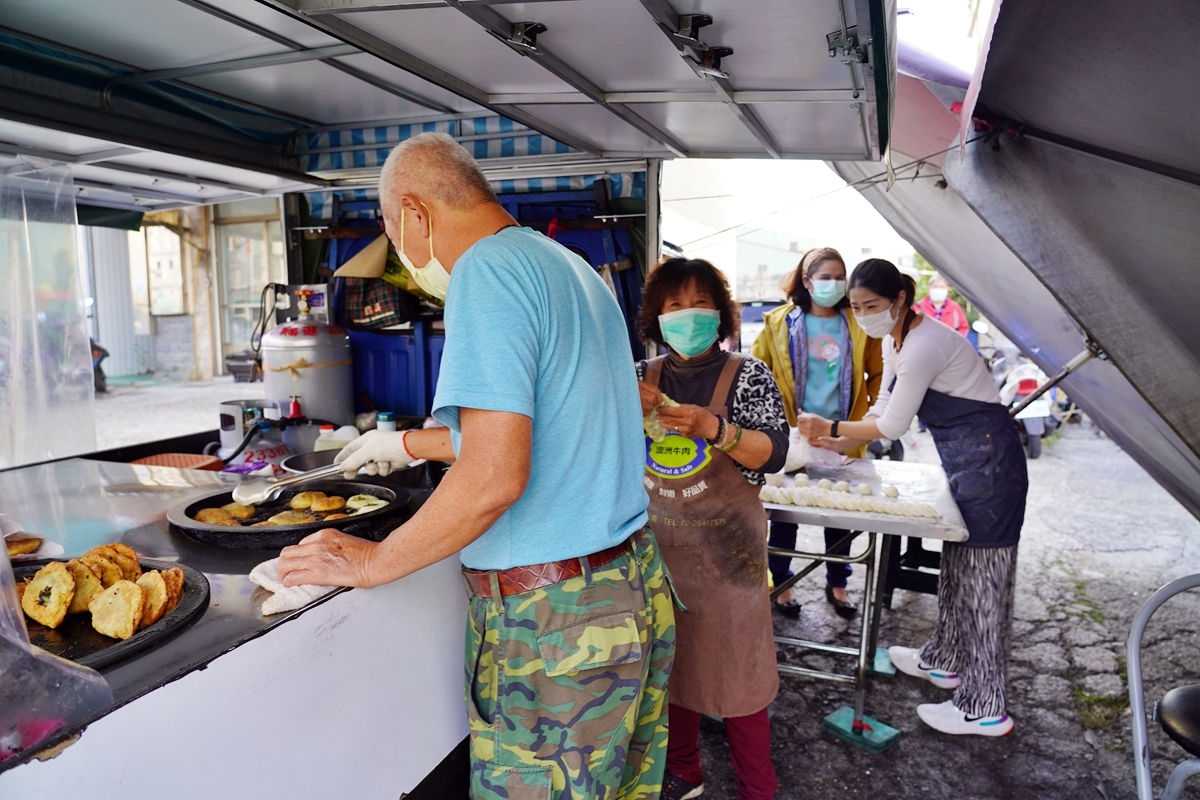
[[310, 361]]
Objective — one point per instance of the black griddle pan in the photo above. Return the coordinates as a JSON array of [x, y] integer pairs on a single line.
[[76, 640], [374, 526]]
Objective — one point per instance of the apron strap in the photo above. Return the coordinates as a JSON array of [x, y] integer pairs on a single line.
[[654, 368], [725, 382]]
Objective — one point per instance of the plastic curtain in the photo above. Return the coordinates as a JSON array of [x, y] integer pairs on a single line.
[[46, 383]]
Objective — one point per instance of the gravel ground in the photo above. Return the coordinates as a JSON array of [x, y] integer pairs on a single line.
[[1100, 535], [147, 412]]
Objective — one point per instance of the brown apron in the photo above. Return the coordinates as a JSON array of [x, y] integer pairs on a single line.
[[712, 529]]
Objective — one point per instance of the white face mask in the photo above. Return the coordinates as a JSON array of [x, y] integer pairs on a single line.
[[877, 325], [939, 294], [433, 278]]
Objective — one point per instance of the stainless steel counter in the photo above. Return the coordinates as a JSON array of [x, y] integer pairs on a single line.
[[80, 504]]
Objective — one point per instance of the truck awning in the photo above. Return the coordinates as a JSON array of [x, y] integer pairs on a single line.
[[284, 87]]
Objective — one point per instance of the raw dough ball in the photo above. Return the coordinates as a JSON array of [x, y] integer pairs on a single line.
[[864, 488], [763, 494], [824, 483], [774, 479], [801, 479], [842, 486], [891, 491]]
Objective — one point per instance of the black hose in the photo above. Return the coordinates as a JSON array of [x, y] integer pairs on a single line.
[[260, 327], [249, 435]]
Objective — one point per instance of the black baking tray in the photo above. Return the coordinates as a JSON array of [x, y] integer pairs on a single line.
[[374, 526], [76, 640]]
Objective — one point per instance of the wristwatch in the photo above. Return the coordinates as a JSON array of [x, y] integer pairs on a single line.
[[833, 429]]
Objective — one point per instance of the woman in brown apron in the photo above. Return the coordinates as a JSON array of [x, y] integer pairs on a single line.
[[703, 479]]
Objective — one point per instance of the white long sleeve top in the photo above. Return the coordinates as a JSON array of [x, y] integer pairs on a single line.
[[935, 357]]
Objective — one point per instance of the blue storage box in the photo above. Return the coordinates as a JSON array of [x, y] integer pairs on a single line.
[[396, 371]]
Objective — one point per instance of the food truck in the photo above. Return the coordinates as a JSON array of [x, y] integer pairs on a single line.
[[570, 108]]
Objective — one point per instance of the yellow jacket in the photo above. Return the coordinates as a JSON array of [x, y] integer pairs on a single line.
[[771, 347]]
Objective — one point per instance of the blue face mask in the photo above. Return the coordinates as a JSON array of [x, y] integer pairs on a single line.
[[691, 331], [828, 294]]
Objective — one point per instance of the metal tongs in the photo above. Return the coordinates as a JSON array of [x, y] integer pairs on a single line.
[[253, 491]]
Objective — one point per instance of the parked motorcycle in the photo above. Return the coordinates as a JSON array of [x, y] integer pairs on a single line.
[[1037, 419], [98, 356]]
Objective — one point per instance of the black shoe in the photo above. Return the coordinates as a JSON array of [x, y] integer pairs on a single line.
[[676, 788], [843, 608], [790, 609]]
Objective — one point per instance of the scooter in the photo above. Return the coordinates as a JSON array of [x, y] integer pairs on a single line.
[[98, 355], [1037, 419]]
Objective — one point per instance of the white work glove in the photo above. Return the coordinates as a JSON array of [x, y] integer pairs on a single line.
[[375, 453]]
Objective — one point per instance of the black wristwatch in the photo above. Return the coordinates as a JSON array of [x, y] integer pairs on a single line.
[[833, 429]]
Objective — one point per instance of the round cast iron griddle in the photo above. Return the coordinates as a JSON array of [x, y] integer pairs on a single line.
[[373, 526], [410, 477], [76, 640], [307, 462]]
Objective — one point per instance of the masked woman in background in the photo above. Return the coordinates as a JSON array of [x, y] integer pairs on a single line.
[[824, 364], [727, 429], [932, 372]]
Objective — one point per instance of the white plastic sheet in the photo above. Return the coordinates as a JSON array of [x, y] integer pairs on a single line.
[[41, 695], [46, 384]]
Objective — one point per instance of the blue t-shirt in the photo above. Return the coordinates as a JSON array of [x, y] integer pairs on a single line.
[[532, 329], [822, 386]]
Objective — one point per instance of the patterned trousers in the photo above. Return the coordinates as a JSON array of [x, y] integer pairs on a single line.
[[973, 636], [566, 685]]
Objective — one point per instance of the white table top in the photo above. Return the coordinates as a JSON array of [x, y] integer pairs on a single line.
[[925, 483]]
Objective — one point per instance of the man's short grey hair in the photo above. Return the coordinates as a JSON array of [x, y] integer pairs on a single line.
[[435, 166]]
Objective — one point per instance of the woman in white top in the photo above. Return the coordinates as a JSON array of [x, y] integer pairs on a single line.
[[933, 373]]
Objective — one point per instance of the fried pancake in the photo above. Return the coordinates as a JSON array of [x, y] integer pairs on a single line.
[[215, 516], [22, 547], [264, 524], [103, 566], [155, 597], [292, 518], [362, 501], [123, 556], [305, 500], [334, 503], [21, 587], [332, 517], [117, 611], [87, 586], [48, 595], [239, 511], [174, 580]]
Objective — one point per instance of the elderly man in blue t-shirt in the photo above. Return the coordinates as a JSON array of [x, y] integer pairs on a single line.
[[570, 635]]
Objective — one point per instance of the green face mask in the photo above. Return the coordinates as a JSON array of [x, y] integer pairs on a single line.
[[828, 294], [691, 331]]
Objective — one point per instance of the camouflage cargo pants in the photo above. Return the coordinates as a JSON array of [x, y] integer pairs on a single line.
[[566, 685]]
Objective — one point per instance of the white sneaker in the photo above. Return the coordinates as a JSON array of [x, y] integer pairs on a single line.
[[946, 718], [908, 661]]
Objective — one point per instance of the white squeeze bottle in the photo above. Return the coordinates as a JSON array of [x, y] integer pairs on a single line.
[[325, 439]]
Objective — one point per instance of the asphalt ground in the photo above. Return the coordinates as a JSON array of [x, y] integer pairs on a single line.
[[135, 412], [1100, 536]]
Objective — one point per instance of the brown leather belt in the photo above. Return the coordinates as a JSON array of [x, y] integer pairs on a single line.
[[518, 580]]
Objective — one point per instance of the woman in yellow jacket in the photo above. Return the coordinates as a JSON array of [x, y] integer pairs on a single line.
[[805, 343]]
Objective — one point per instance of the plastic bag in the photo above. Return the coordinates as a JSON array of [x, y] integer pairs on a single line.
[[41, 694], [799, 454]]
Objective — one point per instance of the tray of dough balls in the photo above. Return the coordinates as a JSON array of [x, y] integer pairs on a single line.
[[359, 508], [108, 604], [905, 499]]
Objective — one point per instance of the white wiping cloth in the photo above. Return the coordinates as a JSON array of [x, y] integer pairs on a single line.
[[284, 598]]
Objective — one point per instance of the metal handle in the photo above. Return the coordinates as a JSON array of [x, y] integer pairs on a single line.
[[312, 475]]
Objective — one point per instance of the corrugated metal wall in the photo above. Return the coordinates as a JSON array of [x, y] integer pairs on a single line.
[[129, 353]]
